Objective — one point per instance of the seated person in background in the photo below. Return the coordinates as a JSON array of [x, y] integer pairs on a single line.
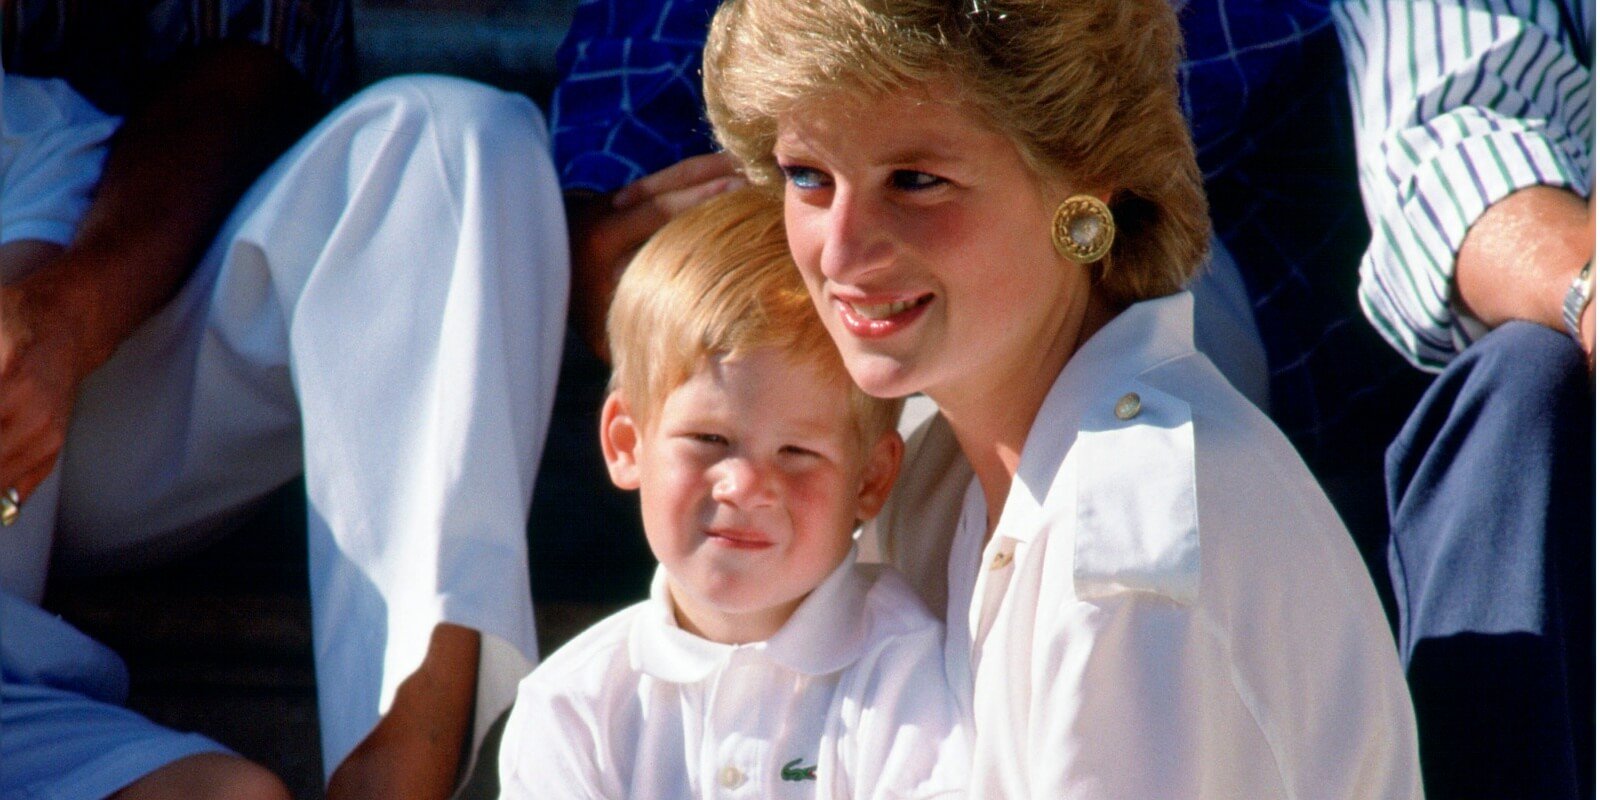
[[1476, 141], [380, 311], [755, 457]]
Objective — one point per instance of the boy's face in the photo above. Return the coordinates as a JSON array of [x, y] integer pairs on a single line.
[[751, 477]]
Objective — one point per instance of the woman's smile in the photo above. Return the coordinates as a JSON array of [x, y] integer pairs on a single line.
[[872, 319]]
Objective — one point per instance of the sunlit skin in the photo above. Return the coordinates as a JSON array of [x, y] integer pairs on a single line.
[[751, 477], [911, 200]]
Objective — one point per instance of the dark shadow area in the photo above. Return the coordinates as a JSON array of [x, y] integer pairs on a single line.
[[584, 535], [219, 642], [1493, 725]]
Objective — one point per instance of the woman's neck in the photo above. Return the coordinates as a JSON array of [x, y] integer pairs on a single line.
[[991, 423]]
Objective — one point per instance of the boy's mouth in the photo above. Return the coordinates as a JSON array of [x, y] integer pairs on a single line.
[[738, 539]]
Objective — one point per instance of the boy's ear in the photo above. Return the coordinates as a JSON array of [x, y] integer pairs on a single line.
[[882, 467], [619, 440]]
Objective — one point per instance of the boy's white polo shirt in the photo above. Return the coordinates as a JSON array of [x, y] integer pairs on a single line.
[[847, 700]]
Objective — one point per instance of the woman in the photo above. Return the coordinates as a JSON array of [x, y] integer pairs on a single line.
[[997, 204]]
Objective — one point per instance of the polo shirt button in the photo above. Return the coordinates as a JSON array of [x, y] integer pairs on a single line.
[[731, 777], [1128, 406]]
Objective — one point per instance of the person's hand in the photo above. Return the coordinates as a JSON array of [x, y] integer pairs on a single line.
[[606, 230], [40, 369]]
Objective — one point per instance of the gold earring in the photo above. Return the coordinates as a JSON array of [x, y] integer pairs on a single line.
[[1083, 229]]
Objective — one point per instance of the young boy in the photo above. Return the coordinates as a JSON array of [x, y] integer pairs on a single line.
[[766, 663]]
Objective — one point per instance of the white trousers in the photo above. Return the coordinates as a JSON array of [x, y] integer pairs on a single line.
[[383, 312]]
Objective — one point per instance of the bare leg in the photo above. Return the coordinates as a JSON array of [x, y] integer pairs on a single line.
[[207, 776]]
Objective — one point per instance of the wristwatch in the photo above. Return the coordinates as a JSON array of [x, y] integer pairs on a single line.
[[1578, 296]]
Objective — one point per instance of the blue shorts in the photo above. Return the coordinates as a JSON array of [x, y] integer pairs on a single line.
[[63, 732]]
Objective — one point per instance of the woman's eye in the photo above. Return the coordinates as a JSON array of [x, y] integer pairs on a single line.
[[804, 177], [914, 180]]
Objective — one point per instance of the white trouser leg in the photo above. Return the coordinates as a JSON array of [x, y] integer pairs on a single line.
[[386, 306]]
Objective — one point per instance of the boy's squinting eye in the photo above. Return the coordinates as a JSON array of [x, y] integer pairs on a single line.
[[797, 450], [707, 438], [804, 177], [913, 180]]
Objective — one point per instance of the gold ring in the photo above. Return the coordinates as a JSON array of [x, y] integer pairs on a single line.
[[10, 506]]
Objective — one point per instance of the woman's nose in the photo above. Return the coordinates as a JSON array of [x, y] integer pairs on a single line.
[[856, 240], [743, 483]]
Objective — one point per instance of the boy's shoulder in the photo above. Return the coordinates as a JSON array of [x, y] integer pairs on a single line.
[[898, 626], [576, 697], [591, 660]]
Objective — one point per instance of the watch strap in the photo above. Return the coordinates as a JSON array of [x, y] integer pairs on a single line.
[[1578, 296]]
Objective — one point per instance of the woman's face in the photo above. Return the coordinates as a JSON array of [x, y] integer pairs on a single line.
[[925, 243]]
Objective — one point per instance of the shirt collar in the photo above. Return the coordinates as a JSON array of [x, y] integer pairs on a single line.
[[827, 632], [1143, 336]]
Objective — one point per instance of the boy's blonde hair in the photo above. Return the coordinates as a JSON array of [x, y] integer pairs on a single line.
[[718, 281], [1087, 90]]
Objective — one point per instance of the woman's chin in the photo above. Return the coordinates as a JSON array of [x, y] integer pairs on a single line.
[[882, 375]]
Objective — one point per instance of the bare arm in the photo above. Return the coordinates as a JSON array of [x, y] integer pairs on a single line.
[[175, 169], [1520, 256], [415, 751]]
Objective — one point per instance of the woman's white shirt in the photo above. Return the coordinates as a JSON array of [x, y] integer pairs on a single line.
[[1169, 606]]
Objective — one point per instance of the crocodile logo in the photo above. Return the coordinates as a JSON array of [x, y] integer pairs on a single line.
[[792, 771]]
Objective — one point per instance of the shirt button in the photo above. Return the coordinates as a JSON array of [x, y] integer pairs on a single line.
[[1001, 560], [1128, 406], [731, 777]]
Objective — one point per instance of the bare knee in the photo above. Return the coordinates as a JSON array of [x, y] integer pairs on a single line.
[[207, 776]]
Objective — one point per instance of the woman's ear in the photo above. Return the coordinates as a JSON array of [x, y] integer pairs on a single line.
[[877, 477], [619, 440]]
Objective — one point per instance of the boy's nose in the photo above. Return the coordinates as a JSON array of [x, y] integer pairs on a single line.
[[742, 483]]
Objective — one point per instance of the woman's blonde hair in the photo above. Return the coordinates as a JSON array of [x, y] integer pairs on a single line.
[[718, 281], [1086, 89]]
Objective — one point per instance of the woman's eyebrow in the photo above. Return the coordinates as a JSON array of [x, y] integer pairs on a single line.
[[921, 154]]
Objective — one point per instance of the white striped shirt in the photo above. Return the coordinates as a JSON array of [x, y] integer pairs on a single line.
[[1457, 105]]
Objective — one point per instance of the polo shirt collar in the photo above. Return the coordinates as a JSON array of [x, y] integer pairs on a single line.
[[828, 632]]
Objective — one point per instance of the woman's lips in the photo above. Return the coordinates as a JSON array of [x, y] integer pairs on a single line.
[[739, 540], [875, 318]]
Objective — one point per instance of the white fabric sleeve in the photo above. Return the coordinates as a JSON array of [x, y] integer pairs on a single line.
[[1456, 105], [546, 751], [1124, 715], [54, 145], [1149, 699], [903, 734]]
